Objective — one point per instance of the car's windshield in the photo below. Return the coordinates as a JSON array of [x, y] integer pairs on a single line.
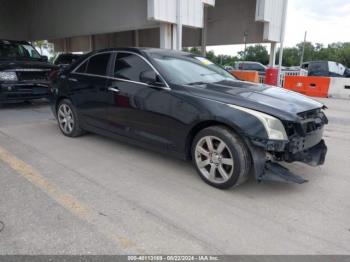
[[17, 51], [190, 70]]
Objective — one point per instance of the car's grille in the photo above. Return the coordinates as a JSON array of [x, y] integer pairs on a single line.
[[33, 75], [312, 121]]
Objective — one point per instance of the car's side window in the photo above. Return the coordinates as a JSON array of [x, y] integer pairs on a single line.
[[82, 68], [130, 67], [98, 64], [256, 68]]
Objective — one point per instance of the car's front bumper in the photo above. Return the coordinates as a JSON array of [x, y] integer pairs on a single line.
[[10, 92], [311, 150], [314, 156]]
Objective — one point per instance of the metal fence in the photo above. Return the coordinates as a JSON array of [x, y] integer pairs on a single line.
[[301, 72]]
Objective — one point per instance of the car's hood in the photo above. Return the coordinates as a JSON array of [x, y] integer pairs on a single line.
[[274, 101], [7, 65]]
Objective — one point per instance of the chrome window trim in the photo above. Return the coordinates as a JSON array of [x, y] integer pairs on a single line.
[[29, 70], [122, 80], [166, 87]]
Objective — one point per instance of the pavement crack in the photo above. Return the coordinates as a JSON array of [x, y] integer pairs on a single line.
[[2, 226]]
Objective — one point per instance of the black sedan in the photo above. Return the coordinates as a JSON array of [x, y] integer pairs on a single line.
[[66, 59], [184, 105]]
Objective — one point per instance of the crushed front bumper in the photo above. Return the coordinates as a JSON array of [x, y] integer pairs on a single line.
[[314, 156], [268, 169]]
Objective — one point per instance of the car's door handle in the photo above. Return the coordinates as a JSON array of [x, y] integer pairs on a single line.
[[113, 89], [73, 79]]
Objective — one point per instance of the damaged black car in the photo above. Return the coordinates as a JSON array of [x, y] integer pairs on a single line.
[[185, 105], [24, 73]]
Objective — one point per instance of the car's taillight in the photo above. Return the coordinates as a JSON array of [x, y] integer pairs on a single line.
[[53, 75]]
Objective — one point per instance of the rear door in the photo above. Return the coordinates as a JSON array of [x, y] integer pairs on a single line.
[[138, 110], [89, 92]]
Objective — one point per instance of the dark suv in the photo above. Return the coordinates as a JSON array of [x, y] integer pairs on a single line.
[[183, 104], [24, 73]]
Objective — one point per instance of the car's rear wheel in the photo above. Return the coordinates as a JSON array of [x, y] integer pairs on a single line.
[[221, 157], [68, 119]]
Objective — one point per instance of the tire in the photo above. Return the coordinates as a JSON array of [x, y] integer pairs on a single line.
[[224, 162], [67, 119]]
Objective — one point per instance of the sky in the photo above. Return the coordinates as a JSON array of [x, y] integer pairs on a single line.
[[326, 21]]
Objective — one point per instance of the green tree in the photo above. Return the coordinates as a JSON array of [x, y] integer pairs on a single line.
[[309, 53], [256, 53], [224, 60], [337, 52], [44, 45], [291, 56], [41, 45]]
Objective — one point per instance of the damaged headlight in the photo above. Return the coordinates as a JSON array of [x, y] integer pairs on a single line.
[[273, 126], [8, 76]]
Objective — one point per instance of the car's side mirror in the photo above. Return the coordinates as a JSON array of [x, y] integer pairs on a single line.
[[44, 58], [151, 78]]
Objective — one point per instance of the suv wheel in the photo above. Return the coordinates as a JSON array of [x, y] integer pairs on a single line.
[[221, 157], [68, 119]]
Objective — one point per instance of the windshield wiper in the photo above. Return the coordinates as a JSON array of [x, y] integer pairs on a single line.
[[197, 83]]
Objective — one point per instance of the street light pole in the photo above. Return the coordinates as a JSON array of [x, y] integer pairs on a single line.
[[245, 45], [179, 25], [283, 33]]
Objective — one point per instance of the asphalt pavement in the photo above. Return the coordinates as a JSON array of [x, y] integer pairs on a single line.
[[93, 195]]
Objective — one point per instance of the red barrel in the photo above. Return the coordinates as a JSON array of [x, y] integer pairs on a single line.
[[271, 76]]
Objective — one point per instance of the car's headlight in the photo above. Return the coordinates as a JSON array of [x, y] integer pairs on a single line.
[[274, 127], [8, 76]]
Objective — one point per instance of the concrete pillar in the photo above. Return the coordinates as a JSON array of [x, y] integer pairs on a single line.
[[204, 31], [273, 52], [91, 43], [166, 36], [179, 25], [65, 45], [136, 38], [174, 36]]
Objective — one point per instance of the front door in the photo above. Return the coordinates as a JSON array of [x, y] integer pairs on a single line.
[[138, 110]]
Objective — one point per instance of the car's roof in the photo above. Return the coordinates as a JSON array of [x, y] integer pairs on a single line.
[[248, 62], [141, 50], [68, 54]]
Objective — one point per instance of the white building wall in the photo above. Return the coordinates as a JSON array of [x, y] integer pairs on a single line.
[[166, 11], [270, 12], [67, 18], [226, 24]]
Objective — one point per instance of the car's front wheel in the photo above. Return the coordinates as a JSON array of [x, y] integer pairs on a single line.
[[221, 157], [68, 119]]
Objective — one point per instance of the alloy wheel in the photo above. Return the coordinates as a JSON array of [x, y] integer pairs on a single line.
[[66, 118], [214, 159]]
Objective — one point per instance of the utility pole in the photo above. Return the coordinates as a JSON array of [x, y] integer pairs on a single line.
[[303, 51], [245, 45]]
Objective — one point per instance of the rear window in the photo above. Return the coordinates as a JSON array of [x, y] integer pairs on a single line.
[[318, 69], [66, 59], [98, 64]]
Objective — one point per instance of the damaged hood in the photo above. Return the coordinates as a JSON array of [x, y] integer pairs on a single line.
[[274, 101]]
